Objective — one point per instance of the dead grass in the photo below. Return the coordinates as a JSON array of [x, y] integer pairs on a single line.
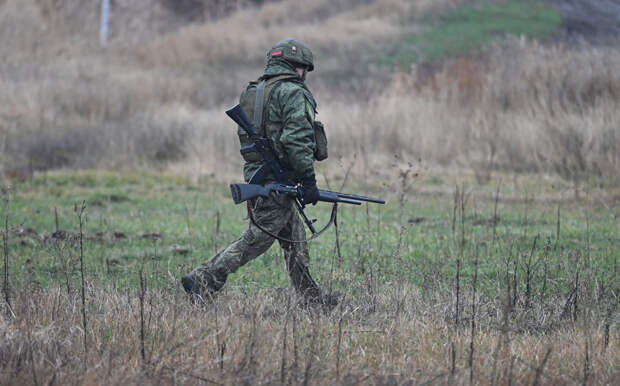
[[525, 107], [240, 339], [156, 94]]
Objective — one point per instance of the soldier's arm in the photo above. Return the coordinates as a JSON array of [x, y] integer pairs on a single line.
[[298, 133]]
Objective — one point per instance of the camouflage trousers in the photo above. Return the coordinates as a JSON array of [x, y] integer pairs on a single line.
[[278, 215]]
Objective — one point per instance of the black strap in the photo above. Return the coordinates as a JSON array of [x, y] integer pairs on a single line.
[[258, 104], [332, 220]]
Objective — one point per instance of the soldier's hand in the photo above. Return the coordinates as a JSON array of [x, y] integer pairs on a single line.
[[309, 191]]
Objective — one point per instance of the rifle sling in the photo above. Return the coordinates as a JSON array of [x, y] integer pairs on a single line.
[[332, 220]]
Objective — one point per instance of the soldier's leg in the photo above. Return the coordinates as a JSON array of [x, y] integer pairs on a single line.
[[298, 257], [271, 213]]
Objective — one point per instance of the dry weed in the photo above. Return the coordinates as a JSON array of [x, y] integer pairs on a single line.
[[183, 344]]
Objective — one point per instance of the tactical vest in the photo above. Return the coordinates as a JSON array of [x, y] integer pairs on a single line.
[[255, 101]]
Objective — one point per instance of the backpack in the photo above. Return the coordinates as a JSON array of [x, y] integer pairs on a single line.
[[255, 101]]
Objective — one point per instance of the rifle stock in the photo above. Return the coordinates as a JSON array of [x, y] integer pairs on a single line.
[[237, 114], [261, 144]]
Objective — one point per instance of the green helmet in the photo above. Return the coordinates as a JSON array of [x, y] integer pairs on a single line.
[[292, 51]]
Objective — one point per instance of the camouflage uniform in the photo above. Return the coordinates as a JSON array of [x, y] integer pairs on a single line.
[[278, 215], [288, 121]]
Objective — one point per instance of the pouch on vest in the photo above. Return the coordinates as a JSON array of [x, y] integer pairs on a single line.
[[320, 152]]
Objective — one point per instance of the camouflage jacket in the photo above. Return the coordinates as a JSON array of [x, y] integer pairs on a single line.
[[288, 121]]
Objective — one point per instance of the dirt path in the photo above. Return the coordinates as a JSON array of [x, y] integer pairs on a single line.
[[598, 21]]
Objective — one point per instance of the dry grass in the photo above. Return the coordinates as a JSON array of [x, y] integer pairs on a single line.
[[155, 95], [524, 107], [248, 33], [256, 338]]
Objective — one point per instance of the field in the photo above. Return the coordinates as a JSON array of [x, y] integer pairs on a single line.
[[535, 288], [491, 127]]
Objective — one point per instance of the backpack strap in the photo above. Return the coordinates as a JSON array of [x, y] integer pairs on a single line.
[[265, 86], [258, 104]]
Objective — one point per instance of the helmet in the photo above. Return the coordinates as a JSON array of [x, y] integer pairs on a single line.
[[292, 51]]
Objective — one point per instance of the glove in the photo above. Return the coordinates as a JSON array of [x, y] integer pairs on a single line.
[[309, 191]]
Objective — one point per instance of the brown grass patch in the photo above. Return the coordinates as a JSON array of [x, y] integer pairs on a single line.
[[256, 337]]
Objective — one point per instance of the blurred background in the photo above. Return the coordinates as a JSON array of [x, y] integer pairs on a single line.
[[482, 86]]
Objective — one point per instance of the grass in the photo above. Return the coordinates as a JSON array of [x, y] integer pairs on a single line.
[[191, 220], [474, 26], [398, 275]]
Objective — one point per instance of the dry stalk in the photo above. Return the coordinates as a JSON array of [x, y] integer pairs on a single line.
[[456, 205], [511, 369], [188, 222], [458, 293], [541, 367], [586, 361], [348, 172], [6, 288], [249, 359], [340, 320], [576, 292], [473, 320], [495, 218], [56, 219], [452, 363], [557, 230], [460, 256], [543, 290], [311, 353], [142, 327], [379, 242], [284, 340], [515, 281], [504, 338], [80, 214], [528, 275], [295, 365], [218, 222], [608, 318], [336, 230], [221, 346], [33, 367]]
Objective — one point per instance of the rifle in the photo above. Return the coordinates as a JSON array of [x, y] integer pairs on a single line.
[[244, 192], [263, 146], [283, 176]]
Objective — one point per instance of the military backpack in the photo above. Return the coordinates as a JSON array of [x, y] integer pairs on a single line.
[[255, 102]]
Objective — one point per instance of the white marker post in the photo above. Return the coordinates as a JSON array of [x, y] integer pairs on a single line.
[[105, 21]]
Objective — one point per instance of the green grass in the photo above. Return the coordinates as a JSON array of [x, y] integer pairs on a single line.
[[474, 26], [128, 208]]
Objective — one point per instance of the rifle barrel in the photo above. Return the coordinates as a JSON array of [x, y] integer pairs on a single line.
[[356, 197], [349, 201]]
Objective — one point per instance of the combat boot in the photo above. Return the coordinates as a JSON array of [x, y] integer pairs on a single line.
[[313, 295], [192, 287], [200, 292]]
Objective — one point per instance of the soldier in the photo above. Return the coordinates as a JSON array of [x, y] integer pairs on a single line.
[[283, 109]]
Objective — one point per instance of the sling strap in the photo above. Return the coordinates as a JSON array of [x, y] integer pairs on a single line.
[[332, 220]]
